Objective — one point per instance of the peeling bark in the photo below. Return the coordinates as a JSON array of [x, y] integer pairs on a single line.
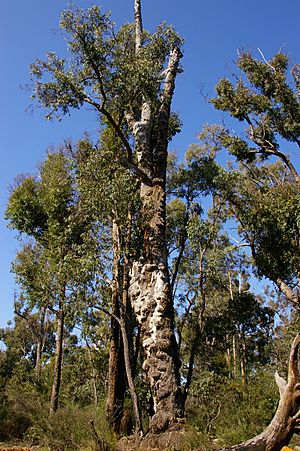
[[291, 295], [150, 291], [287, 417], [150, 294]]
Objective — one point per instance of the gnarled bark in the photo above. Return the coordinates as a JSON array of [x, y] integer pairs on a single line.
[[150, 290], [150, 294], [287, 417]]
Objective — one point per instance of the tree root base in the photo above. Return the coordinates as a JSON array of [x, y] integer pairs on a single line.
[[176, 438]]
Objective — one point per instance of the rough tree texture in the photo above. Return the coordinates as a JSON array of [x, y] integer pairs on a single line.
[[287, 417], [145, 155], [150, 286]]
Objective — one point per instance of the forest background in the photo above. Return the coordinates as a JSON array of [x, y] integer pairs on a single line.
[[213, 31], [226, 334]]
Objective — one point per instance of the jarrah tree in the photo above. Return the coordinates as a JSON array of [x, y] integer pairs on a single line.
[[264, 199], [129, 79], [266, 100]]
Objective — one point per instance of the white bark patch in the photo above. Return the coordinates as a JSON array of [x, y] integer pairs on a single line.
[[281, 384], [151, 301]]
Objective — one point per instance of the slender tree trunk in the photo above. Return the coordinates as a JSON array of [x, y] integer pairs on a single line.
[[94, 373], [58, 355], [228, 357], [234, 355], [195, 345], [38, 359], [131, 386], [40, 345], [243, 359], [126, 307], [116, 385]]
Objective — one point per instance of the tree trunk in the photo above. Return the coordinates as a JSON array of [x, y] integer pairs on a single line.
[[116, 384], [152, 302], [228, 357], [234, 354], [40, 346], [243, 359], [286, 420], [94, 374], [38, 359], [150, 290], [58, 356]]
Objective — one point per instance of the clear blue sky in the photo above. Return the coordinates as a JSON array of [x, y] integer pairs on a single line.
[[213, 31]]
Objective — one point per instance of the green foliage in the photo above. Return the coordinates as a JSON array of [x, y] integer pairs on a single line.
[[270, 223], [68, 211], [268, 103], [227, 412], [82, 382], [103, 65], [70, 428], [24, 210], [40, 206]]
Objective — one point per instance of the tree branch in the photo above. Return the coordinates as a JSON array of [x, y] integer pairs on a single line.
[[164, 111], [128, 162], [133, 394], [293, 372], [281, 384], [288, 292], [138, 25]]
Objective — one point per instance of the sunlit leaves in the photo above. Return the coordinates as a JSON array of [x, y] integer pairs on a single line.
[[25, 211], [265, 100], [103, 69]]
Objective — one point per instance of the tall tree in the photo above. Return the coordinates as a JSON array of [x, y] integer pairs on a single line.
[[34, 281], [109, 193], [131, 89], [265, 198], [47, 209], [265, 99]]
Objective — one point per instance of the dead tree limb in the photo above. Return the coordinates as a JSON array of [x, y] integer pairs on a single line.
[[286, 420]]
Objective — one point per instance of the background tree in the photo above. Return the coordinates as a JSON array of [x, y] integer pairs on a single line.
[[48, 210], [267, 103], [266, 100]]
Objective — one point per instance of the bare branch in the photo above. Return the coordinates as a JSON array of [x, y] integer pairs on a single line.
[[164, 110], [138, 25], [132, 390], [267, 63]]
